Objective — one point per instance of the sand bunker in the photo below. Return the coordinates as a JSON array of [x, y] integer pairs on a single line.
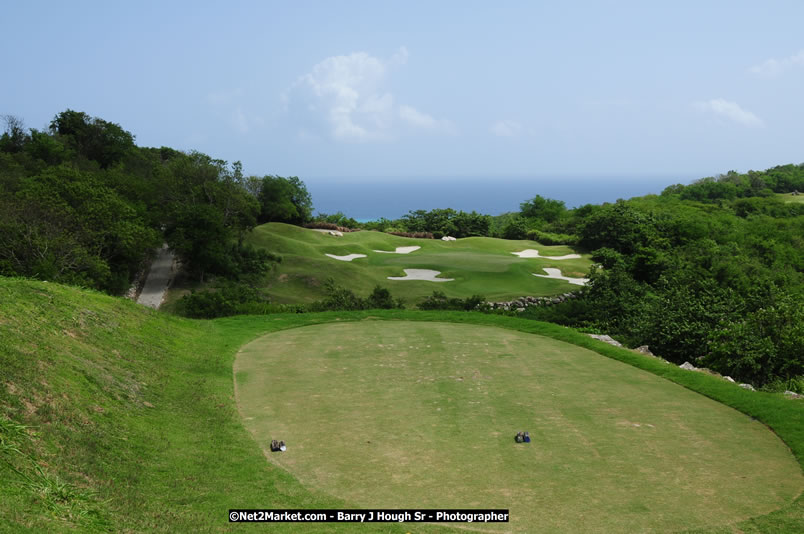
[[399, 250], [531, 253], [348, 257], [556, 273], [421, 274]]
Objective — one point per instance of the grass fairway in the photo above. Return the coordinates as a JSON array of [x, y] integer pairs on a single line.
[[479, 265], [422, 414], [789, 197]]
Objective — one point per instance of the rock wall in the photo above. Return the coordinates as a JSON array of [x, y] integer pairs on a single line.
[[522, 303]]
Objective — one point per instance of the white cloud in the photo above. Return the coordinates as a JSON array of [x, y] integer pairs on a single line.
[[349, 94], [506, 128], [345, 89], [416, 118], [774, 67], [729, 110]]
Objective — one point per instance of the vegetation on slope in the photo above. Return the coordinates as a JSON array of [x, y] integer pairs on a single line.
[[80, 203], [118, 418], [716, 283]]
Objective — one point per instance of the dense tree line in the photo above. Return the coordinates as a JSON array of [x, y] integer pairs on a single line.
[[447, 222], [717, 281], [81, 203]]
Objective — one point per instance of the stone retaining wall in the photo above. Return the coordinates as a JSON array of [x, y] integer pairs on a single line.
[[522, 303]]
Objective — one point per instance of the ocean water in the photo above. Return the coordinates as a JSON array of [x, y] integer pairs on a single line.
[[366, 199]]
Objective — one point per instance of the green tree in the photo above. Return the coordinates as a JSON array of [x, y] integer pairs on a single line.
[[200, 238], [95, 215], [38, 240], [15, 137], [284, 200], [94, 138], [619, 226], [380, 298], [517, 228], [546, 209], [441, 222]]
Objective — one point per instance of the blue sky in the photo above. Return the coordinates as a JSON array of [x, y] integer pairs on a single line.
[[424, 89]]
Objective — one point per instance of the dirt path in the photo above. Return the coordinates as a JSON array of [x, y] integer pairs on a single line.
[[158, 279]]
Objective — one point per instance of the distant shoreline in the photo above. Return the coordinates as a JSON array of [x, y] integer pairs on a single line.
[[368, 200]]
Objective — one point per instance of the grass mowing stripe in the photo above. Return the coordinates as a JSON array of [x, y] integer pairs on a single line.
[[781, 415], [423, 414]]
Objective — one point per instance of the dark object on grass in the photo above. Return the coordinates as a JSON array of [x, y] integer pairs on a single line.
[[526, 437], [277, 446], [520, 437]]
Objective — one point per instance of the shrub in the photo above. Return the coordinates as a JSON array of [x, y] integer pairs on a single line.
[[549, 238], [474, 302], [515, 229], [248, 260], [338, 219], [323, 225], [420, 235], [231, 299], [381, 298], [339, 298], [439, 301]]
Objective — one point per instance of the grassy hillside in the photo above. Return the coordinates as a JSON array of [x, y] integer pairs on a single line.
[[478, 265], [118, 418]]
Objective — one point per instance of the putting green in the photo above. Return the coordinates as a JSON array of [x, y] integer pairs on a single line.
[[407, 414]]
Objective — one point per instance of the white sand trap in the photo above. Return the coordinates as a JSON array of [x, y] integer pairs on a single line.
[[399, 250], [421, 274], [531, 253], [556, 273], [348, 257]]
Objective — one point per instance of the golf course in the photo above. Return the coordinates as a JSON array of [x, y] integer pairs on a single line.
[[402, 268], [140, 421], [476, 265], [410, 414]]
